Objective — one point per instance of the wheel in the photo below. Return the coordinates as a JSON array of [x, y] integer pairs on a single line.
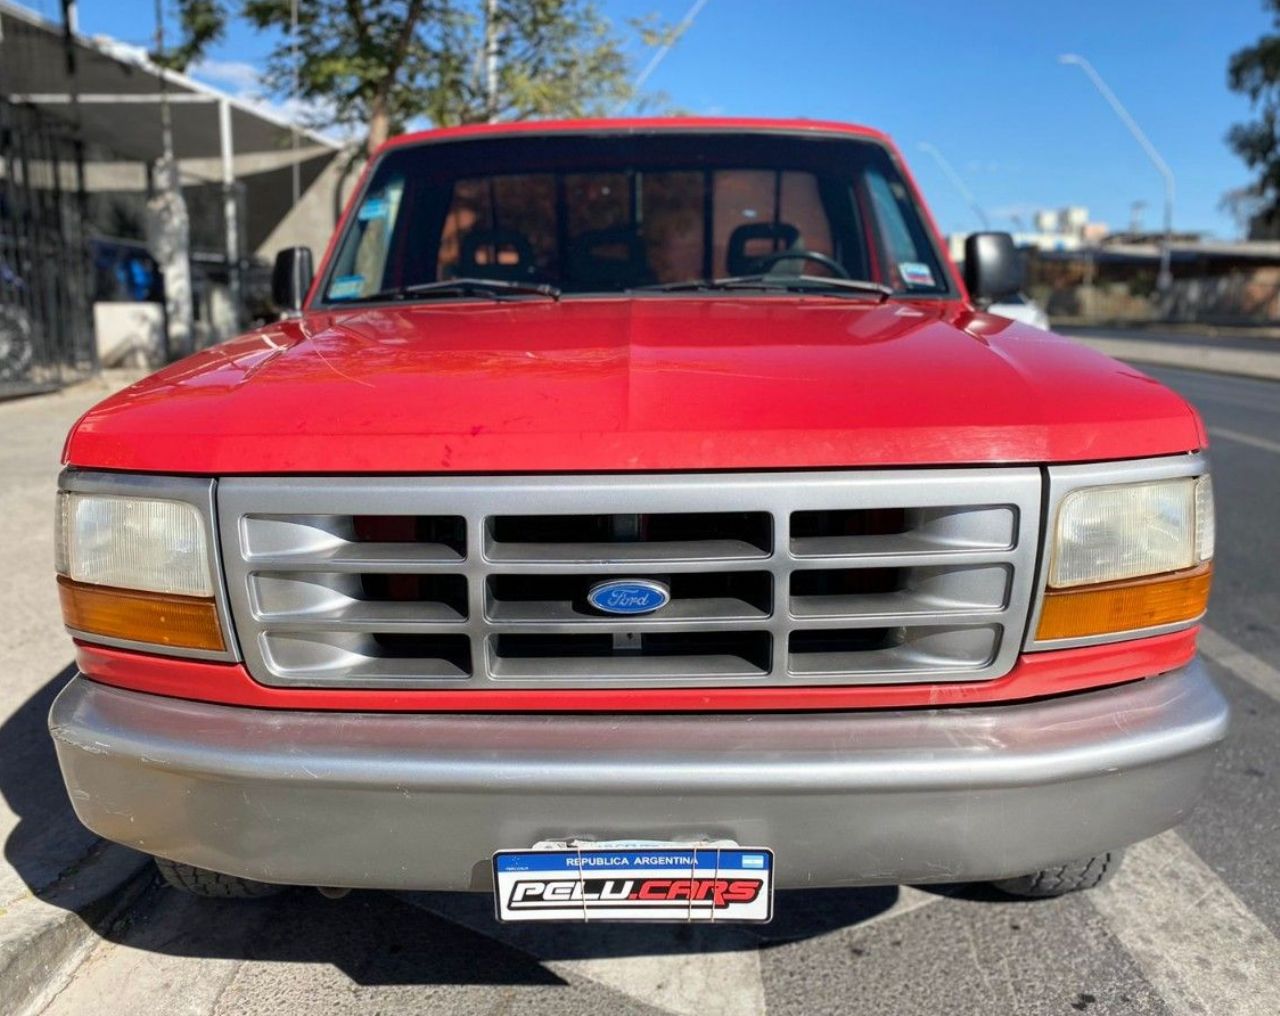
[[1064, 878], [15, 343], [202, 882]]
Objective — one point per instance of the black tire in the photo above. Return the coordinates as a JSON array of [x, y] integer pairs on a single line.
[[1064, 878], [16, 350], [213, 884]]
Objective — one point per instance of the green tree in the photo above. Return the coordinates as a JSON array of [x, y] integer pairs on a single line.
[[1255, 72], [373, 66]]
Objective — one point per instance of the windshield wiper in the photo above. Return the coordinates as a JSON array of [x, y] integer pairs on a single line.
[[496, 288], [788, 283]]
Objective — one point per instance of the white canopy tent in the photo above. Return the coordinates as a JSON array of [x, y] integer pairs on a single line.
[[112, 96]]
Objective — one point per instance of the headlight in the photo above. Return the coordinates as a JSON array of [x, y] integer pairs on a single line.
[[136, 569], [1105, 534], [1127, 557]]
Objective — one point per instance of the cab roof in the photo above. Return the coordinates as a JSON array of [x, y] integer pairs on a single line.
[[639, 125]]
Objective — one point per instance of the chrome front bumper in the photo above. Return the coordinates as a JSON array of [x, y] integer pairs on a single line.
[[421, 801]]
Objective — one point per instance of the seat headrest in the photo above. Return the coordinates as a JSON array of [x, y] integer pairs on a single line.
[[780, 235], [507, 255], [611, 258]]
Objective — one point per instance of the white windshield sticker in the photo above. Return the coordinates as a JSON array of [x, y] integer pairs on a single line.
[[914, 273], [346, 286], [374, 208]]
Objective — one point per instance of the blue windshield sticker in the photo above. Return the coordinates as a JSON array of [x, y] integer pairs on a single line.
[[374, 208], [916, 274], [346, 287]]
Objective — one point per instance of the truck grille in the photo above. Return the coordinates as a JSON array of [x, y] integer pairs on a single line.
[[775, 579]]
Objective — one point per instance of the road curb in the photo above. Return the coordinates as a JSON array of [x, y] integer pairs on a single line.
[[43, 938], [1238, 362]]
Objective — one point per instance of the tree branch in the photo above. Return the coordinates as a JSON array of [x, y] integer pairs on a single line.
[[356, 13]]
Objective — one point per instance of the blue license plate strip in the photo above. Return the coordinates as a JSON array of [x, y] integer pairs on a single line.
[[699, 884]]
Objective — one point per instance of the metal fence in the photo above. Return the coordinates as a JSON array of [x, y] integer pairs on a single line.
[[46, 275]]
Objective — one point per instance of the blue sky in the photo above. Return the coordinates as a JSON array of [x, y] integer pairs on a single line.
[[977, 78]]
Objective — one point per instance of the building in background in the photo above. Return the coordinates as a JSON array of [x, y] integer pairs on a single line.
[[81, 138], [1081, 272], [1063, 229]]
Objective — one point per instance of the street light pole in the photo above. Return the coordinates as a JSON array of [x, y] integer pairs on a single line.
[[491, 60], [661, 54], [1165, 278], [949, 172]]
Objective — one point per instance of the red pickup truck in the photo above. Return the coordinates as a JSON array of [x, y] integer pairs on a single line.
[[632, 517]]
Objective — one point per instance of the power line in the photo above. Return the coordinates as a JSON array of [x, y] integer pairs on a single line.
[[661, 53], [956, 181]]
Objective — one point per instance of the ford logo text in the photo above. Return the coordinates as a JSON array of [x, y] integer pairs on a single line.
[[629, 596]]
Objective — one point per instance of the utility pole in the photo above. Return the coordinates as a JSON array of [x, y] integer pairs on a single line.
[[491, 58], [295, 60], [1136, 208], [1165, 279], [230, 211]]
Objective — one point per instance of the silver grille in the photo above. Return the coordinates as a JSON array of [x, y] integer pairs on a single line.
[[775, 578]]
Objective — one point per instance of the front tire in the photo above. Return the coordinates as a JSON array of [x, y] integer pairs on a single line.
[[1086, 873], [212, 884], [16, 350]]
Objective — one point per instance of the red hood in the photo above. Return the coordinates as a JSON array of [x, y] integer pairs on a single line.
[[620, 384]]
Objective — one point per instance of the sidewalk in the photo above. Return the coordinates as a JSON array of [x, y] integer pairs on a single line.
[[1256, 363], [56, 878], [1210, 332]]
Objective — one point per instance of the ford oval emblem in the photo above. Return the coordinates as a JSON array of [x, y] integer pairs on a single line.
[[629, 596]]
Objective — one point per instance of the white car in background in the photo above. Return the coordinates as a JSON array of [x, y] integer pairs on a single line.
[[1021, 308]]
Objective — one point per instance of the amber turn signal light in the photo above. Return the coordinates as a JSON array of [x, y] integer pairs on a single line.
[[1116, 607], [180, 622]]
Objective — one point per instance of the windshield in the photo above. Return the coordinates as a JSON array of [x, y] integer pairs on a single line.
[[615, 213]]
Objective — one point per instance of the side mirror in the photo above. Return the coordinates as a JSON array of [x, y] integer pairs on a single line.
[[291, 278], [992, 267]]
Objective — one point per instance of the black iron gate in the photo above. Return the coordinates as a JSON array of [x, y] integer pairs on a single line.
[[46, 324]]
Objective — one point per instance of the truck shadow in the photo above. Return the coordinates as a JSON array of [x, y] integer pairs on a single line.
[[48, 839], [379, 939], [374, 938]]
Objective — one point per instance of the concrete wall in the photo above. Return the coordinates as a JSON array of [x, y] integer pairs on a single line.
[[311, 222], [1245, 295], [1242, 297], [129, 334]]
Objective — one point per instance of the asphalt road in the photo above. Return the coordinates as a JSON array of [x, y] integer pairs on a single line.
[[1189, 926]]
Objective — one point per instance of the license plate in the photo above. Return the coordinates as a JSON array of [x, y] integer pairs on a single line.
[[668, 882]]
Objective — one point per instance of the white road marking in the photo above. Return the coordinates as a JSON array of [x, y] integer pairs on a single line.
[[714, 972], [1240, 662], [908, 900], [1196, 942], [1245, 439], [689, 983]]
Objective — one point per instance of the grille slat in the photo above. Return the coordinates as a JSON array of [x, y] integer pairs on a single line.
[[326, 659], [898, 656], [929, 592], [903, 532], [364, 557], [593, 554], [775, 579], [566, 612], [347, 602], [644, 657]]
